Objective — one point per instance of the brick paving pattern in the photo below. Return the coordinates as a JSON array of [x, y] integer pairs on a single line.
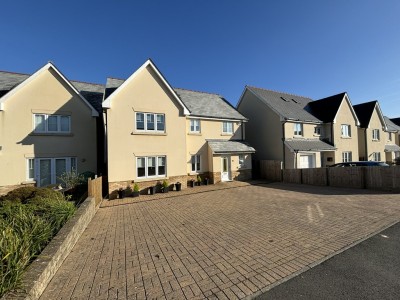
[[222, 244]]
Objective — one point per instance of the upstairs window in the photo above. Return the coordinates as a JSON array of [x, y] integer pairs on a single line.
[[150, 122], [298, 129], [346, 130], [44, 123], [227, 127], [317, 130], [375, 134], [195, 125], [390, 136]]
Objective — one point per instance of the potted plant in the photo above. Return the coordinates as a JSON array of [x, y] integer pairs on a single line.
[[164, 187], [206, 181], [191, 182], [152, 190], [128, 191], [178, 186], [120, 193], [136, 191], [198, 180]]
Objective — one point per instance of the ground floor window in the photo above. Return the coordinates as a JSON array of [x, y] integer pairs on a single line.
[[195, 163], [346, 156], [46, 171], [151, 166], [376, 156], [242, 161]]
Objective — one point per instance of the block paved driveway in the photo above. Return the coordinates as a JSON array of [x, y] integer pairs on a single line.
[[224, 244]]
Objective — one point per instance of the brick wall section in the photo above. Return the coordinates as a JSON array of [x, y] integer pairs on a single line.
[[242, 175], [8, 188], [42, 270]]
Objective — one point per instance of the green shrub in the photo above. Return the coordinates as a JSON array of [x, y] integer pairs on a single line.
[[23, 194], [136, 188], [25, 229]]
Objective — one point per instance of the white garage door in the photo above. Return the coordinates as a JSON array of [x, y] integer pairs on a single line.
[[307, 161]]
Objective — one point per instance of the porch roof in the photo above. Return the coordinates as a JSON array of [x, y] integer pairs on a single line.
[[392, 148], [308, 145], [229, 146]]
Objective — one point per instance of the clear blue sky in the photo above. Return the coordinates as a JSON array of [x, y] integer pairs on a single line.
[[309, 48]]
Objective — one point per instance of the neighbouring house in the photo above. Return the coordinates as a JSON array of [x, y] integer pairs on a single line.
[[298, 131], [157, 133], [48, 127], [373, 132], [392, 147]]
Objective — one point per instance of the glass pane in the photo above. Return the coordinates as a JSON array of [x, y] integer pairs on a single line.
[[52, 123], [61, 167], [224, 165], [39, 123], [74, 168], [139, 121], [151, 166], [141, 171], [161, 166], [31, 168], [198, 162], [150, 121], [160, 123], [45, 172], [64, 123], [225, 127]]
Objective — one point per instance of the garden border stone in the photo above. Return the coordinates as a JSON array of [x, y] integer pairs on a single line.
[[41, 270]]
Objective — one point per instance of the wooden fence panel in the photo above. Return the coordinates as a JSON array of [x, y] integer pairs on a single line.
[[383, 178], [95, 189], [292, 176], [349, 177], [271, 170], [317, 176]]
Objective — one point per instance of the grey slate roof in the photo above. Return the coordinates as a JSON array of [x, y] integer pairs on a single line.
[[326, 109], [92, 92], [230, 146], [390, 125], [288, 106], [392, 148], [111, 85], [208, 105], [308, 145]]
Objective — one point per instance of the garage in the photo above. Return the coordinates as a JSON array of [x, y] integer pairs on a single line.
[[306, 161]]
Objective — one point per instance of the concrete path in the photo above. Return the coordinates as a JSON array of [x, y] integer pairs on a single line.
[[226, 244]]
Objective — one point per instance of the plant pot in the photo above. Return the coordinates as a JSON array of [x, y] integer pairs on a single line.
[[191, 183], [206, 181], [152, 190], [120, 194], [178, 186], [135, 194], [164, 189], [199, 183]]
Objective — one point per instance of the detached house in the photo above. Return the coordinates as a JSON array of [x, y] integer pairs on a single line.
[[156, 133], [47, 127], [377, 141], [298, 131], [392, 147]]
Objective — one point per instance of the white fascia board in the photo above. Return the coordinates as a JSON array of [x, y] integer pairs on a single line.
[[34, 76], [216, 119], [380, 114], [107, 103]]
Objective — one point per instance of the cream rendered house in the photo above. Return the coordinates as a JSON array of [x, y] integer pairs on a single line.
[[157, 133], [377, 140], [392, 147], [298, 131], [47, 128]]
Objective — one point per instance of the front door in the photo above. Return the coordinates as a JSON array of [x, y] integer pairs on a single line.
[[225, 168]]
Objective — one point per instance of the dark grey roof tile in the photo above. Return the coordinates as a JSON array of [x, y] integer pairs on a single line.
[[229, 146], [308, 145], [390, 125]]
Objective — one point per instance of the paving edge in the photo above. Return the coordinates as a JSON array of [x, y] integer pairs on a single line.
[[41, 270], [317, 262]]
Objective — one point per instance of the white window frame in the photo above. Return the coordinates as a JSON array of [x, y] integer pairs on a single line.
[[390, 137], [298, 129], [146, 170], [195, 163], [146, 115], [375, 135], [71, 166], [227, 127], [195, 126], [376, 156], [345, 130], [242, 160], [347, 156], [46, 124]]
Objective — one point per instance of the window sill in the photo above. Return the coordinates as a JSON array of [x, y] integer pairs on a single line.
[[376, 141], [298, 136], [141, 179], [148, 133], [227, 134], [194, 133], [316, 135], [345, 137], [51, 134], [28, 182]]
